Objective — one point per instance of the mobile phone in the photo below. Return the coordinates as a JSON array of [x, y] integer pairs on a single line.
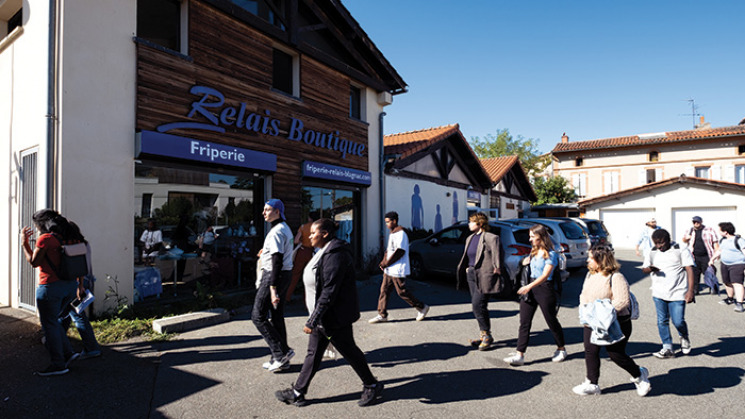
[[653, 268]]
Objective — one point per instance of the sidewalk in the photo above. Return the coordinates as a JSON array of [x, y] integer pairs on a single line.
[[428, 368]]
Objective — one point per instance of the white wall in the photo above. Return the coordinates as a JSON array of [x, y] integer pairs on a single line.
[[23, 83], [670, 200], [398, 198], [97, 132], [371, 217]]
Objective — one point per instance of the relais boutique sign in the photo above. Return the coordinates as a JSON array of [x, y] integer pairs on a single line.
[[211, 106]]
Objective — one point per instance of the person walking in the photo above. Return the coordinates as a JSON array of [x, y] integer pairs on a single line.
[[644, 244], [731, 251], [671, 270], [480, 268], [53, 293], [539, 292], [702, 243], [604, 281], [395, 267], [303, 254], [275, 259], [336, 309]]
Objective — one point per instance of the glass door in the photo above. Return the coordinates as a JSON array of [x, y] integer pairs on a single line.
[[340, 205]]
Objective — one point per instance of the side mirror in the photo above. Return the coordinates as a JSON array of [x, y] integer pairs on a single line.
[[433, 241]]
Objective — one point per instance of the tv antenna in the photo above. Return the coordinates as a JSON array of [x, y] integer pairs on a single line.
[[693, 113]]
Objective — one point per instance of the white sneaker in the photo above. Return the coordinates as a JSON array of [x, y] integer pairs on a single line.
[[642, 382], [267, 364], [559, 355], [378, 319], [586, 389], [685, 346], [275, 366], [329, 354], [422, 313], [515, 359]]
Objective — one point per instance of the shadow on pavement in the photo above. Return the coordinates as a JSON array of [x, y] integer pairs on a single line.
[[689, 381], [449, 387]]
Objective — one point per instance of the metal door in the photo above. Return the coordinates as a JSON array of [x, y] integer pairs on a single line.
[[27, 279]]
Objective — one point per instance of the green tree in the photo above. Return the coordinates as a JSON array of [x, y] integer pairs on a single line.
[[553, 190], [503, 144]]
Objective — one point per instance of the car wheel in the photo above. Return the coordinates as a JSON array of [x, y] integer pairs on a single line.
[[417, 267]]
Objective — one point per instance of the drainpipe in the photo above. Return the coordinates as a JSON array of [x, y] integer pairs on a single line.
[[380, 180], [51, 104]]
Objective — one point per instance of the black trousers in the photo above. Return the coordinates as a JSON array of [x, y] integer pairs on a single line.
[[343, 341], [479, 301], [616, 352], [542, 296], [701, 263], [273, 331]]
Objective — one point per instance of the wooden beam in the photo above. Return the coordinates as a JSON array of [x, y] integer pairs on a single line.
[[342, 38]]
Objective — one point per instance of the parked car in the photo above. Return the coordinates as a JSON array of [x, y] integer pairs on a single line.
[[597, 231], [568, 234], [441, 252]]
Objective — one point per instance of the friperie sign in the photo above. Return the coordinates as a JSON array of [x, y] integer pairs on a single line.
[[211, 105]]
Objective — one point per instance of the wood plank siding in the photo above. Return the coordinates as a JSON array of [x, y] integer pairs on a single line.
[[235, 59]]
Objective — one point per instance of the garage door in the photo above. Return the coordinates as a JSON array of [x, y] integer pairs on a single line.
[[712, 216], [625, 226]]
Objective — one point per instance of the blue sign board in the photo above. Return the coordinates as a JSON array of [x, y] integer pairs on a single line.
[[338, 173], [160, 144]]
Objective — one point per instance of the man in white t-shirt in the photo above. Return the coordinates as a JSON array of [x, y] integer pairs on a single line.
[[671, 269], [275, 260], [395, 267]]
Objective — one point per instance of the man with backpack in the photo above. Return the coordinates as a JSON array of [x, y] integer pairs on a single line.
[[671, 270], [701, 241]]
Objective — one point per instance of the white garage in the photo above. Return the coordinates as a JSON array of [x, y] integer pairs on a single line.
[[672, 202], [625, 225]]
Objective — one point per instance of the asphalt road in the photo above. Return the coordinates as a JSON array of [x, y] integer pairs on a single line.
[[428, 368]]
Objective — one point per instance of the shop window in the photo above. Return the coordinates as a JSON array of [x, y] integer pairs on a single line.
[[162, 22], [355, 98], [11, 17], [654, 156], [285, 72], [579, 161], [702, 172], [340, 205], [272, 11]]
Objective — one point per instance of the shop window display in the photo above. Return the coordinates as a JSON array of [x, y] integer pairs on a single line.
[[207, 224]]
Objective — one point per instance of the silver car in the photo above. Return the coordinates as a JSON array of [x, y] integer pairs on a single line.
[[569, 236], [441, 252]]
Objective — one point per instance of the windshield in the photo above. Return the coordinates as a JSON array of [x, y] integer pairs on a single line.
[[572, 231]]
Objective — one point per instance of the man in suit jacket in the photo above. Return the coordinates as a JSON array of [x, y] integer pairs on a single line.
[[480, 267]]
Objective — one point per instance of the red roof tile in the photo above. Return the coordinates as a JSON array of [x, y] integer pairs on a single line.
[[408, 143], [648, 139], [497, 167]]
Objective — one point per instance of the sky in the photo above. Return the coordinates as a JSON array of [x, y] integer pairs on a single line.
[[593, 69]]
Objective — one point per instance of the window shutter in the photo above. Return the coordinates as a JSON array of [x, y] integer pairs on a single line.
[[716, 172], [690, 171], [614, 181], [658, 174], [642, 177], [607, 183]]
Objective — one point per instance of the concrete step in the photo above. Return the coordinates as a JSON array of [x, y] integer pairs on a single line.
[[191, 321]]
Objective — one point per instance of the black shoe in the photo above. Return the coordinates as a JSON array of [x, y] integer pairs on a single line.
[[371, 394], [72, 358], [288, 396], [727, 301], [52, 370]]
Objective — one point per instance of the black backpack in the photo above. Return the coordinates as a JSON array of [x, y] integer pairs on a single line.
[[73, 261]]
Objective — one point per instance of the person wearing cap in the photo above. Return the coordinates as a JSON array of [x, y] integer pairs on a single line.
[[275, 260], [702, 242], [645, 244]]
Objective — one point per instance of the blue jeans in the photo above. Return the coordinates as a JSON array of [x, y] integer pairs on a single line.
[[87, 336], [667, 310], [51, 300]]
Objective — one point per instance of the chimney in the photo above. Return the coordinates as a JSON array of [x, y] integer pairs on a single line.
[[564, 138], [701, 120]]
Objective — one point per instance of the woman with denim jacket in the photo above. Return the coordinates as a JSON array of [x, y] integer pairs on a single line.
[[603, 281], [539, 293]]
